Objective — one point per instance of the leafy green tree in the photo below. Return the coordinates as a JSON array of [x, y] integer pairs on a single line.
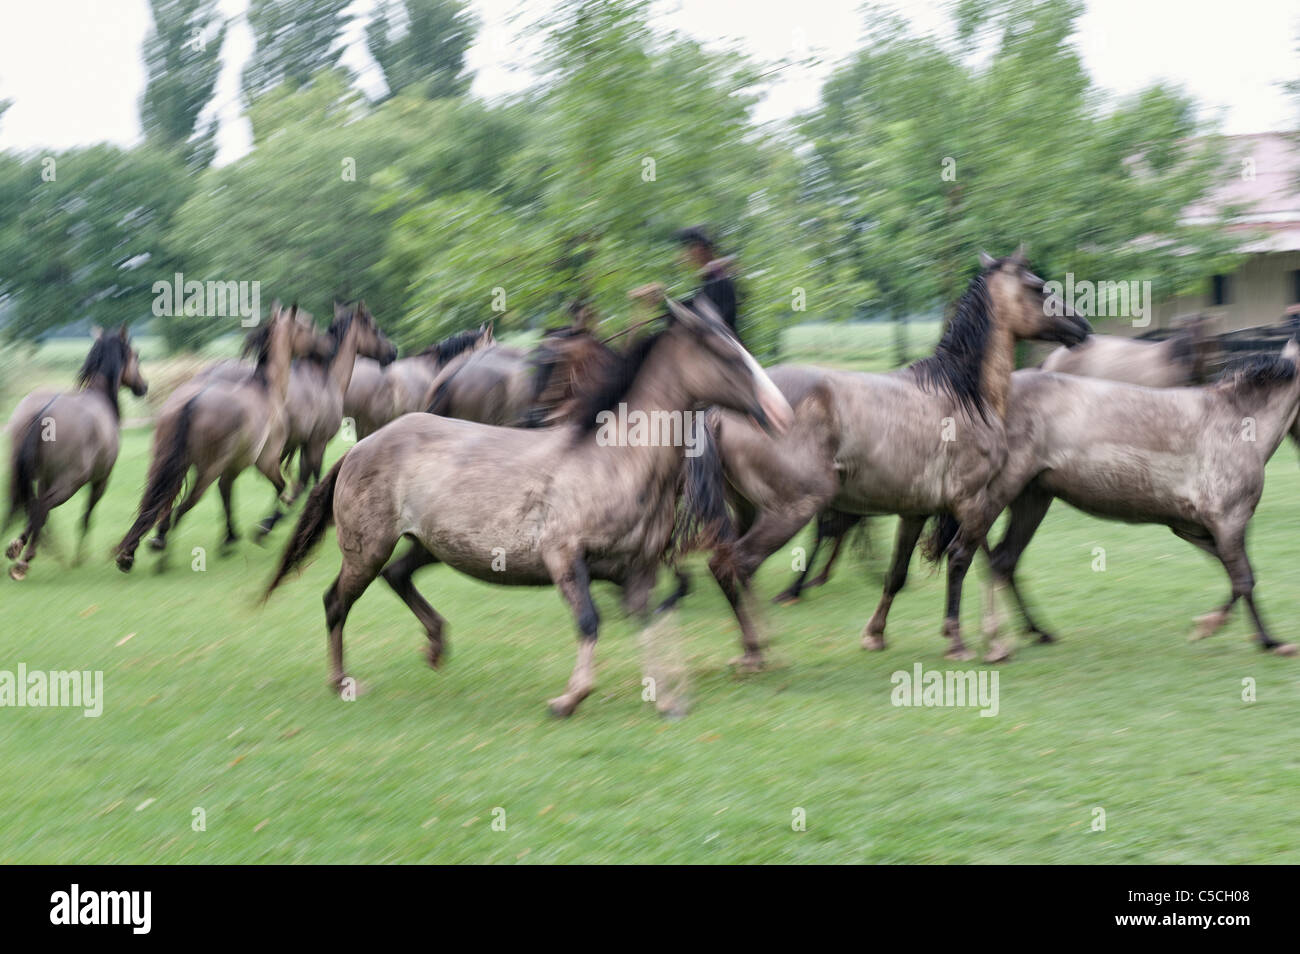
[[420, 46], [295, 40], [182, 55], [924, 154], [85, 236]]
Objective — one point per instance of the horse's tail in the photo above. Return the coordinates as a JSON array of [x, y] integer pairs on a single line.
[[317, 515], [703, 521], [22, 484], [167, 470], [936, 544]]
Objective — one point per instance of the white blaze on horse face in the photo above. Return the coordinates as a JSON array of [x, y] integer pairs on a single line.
[[779, 413]]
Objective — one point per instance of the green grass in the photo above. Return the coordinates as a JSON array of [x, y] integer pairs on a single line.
[[214, 702]]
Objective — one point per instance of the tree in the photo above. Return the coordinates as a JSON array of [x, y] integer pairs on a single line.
[[85, 238], [182, 55], [420, 46], [925, 155], [295, 40]]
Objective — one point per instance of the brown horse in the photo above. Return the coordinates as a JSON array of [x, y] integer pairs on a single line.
[[64, 441], [920, 442], [377, 394], [1177, 361], [500, 385], [314, 401], [220, 428], [1191, 459], [557, 506]]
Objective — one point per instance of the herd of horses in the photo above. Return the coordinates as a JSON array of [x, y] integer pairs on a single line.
[[488, 458]]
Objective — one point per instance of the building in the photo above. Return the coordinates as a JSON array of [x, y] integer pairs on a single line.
[[1266, 184]]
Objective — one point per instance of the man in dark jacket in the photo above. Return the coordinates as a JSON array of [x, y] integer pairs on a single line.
[[716, 283]]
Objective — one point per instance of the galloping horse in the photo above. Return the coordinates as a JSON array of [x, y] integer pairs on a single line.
[[314, 401], [1191, 459], [919, 442], [221, 428], [66, 440], [1177, 361], [500, 385], [378, 394], [557, 506]]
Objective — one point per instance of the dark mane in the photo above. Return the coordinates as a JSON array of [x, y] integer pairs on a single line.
[[605, 395], [337, 331], [448, 348], [107, 359], [257, 345], [958, 359], [1258, 371]]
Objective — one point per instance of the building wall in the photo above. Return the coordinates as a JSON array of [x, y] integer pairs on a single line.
[[1258, 294]]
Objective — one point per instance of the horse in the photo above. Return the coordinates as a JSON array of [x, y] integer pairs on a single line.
[[1180, 360], [314, 401], [378, 394], [63, 441], [220, 428], [559, 506], [920, 442], [1191, 459], [1177, 361], [510, 387]]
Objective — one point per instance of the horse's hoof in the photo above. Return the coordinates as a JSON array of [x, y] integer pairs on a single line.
[[157, 543], [748, 663], [347, 688], [1206, 626], [14, 549], [125, 561], [1044, 637], [674, 712], [998, 652], [18, 571], [786, 599], [1284, 649], [959, 654], [562, 707], [436, 656], [873, 641]]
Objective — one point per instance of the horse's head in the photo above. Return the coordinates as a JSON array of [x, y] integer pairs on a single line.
[[131, 376], [715, 368], [371, 341], [304, 340], [1024, 306]]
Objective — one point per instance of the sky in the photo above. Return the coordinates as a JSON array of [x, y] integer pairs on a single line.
[[73, 70]]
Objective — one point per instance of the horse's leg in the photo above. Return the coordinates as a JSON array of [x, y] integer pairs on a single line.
[[226, 484], [270, 469], [202, 482], [96, 491], [839, 529], [1026, 515], [960, 552], [734, 565], [398, 575], [55, 495], [662, 659], [683, 588], [360, 567], [791, 593], [1232, 552], [571, 577], [909, 531]]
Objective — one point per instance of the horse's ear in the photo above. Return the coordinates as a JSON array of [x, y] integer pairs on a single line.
[[1020, 256], [96, 332], [121, 332], [987, 261]]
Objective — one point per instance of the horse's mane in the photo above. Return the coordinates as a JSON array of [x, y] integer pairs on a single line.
[[257, 344], [107, 358], [958, 359], [449, 347], [1257, 371], [606, 394], [337, 331]]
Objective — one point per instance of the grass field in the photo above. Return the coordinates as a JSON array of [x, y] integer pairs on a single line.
[[215, 703]]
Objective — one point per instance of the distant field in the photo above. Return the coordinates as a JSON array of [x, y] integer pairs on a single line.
[[215, 703]]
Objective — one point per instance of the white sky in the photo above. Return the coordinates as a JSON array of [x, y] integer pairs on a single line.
[[74, 72]]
